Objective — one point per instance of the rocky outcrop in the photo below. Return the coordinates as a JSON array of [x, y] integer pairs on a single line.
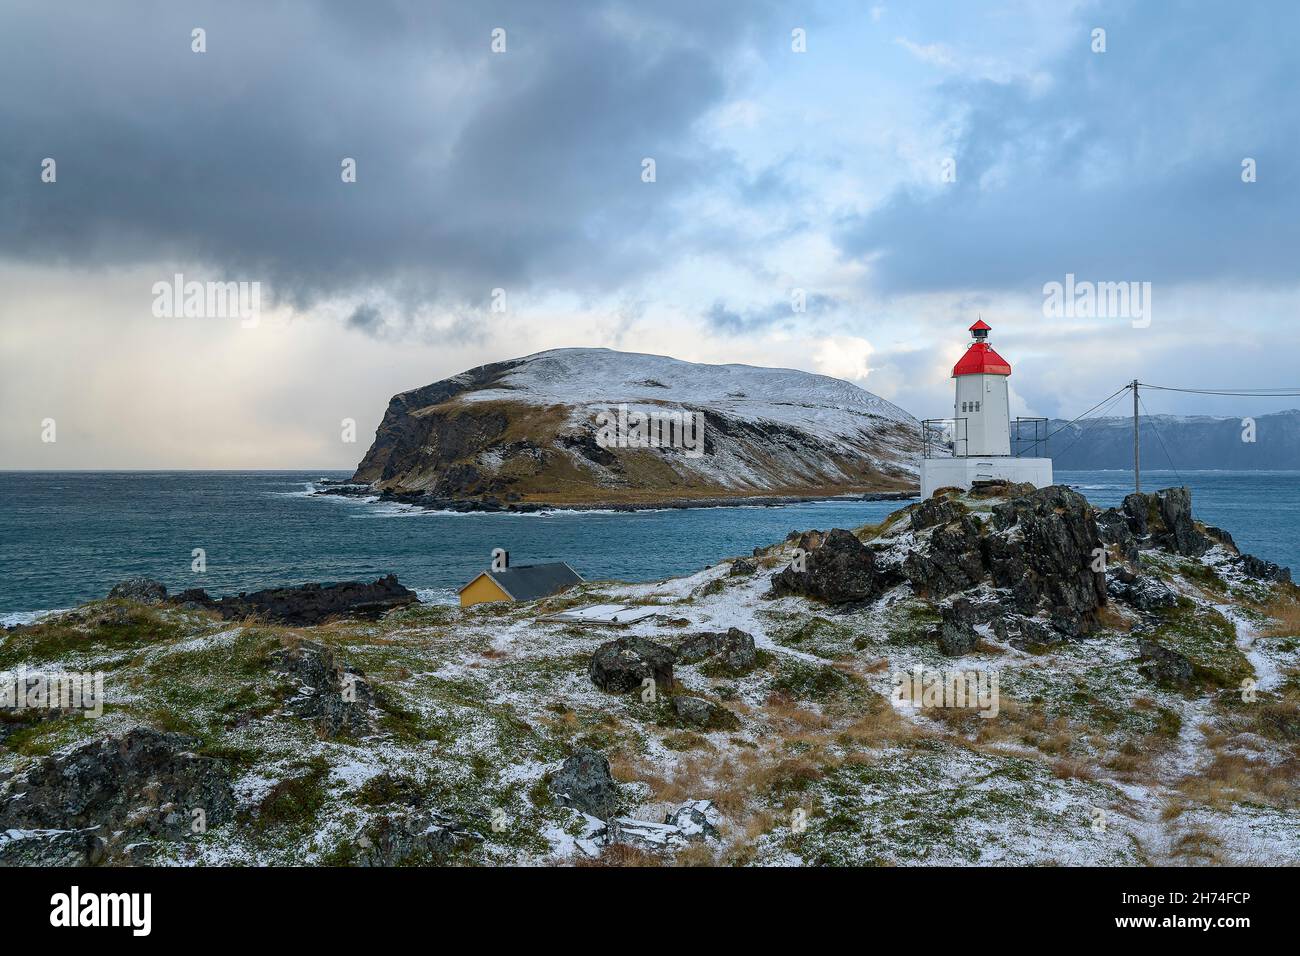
[[144, 590], [734, 649], [585, 783], [144, 784], [52, 847], [406, 838], [623, 665], [337, 699], [1263, 570], [308, 604], [836, 568], [1166, 518]]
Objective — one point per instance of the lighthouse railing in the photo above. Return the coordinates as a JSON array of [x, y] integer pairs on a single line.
[[1036, 444], [948, 434]]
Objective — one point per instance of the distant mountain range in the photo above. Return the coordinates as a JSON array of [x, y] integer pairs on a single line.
[[1191, 442]]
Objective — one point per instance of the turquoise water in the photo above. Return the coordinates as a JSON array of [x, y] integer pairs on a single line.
[[67, 537]]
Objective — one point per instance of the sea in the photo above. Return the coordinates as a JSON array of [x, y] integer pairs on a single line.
[[68, 537]]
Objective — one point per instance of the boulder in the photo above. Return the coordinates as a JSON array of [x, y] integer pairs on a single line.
[[145, 783], [1141, 591], [936, 511], [703, 714], [144, 590], [696, 820], [622, 665], [1165, 667], [337, 699], [308, 604], [838, 569], [585, 783], [742, 566], [734, 648]]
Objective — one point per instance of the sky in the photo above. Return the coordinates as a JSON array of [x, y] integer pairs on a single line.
[[901, 168]]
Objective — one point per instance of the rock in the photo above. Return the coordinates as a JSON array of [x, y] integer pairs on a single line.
[[1025, 633], [950, 560], [704, 714], [838, 570], [51, 847], [621, 666], [146, 782], [696, 820], [308, 604], [742, 566], [338, 700], [144, 590], [414, 837], [957, 634], [1165, 667], [1042, 550], [585, 783], [1221, 536], [1166, 516], [936, 511], [734, 648], [1113, 529], [1263, 570], [1141, 591]]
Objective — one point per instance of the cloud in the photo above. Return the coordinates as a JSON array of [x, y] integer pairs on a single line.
[[475, 170], [1124, 166]]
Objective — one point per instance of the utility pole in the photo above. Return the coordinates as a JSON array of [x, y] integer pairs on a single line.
[[1137, 470]]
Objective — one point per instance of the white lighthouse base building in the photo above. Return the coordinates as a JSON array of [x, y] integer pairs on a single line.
[[962, 473]]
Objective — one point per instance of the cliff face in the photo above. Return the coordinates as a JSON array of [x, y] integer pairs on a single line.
[[549, 428]]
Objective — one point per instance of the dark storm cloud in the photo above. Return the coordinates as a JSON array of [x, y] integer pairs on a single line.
[[1126, 167], [475, 170]]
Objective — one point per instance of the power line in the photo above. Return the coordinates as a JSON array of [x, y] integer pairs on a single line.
[[1152, 420], [1084, 430], [1120, 391], [1282, 392]]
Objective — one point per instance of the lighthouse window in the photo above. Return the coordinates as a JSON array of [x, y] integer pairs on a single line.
[[977, 406]]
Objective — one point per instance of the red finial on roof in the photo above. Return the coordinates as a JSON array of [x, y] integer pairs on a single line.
[[980, 359]]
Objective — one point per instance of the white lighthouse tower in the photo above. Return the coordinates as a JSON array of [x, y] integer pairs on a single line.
[[981, 418]]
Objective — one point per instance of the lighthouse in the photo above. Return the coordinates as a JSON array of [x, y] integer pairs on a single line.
[[981, 426]]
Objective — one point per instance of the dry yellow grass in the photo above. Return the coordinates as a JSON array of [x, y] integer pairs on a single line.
[[1285, 612]]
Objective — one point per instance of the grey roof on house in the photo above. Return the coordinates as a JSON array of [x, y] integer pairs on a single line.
[[528, 582]]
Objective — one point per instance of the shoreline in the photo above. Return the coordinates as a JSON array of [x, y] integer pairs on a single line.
[[420, 499]]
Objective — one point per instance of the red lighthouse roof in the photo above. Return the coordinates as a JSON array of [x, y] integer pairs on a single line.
[[980, 359]]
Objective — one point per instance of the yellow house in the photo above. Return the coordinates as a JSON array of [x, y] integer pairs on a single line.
[[528, 582]]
